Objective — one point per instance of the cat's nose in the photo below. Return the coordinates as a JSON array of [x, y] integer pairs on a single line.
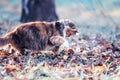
[[75, 30]]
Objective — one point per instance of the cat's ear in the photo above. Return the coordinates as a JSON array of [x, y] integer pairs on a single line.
[[59, 25]]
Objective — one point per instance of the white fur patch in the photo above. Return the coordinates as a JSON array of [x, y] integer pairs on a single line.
[[64, 31], [65, 45], [65, 23]]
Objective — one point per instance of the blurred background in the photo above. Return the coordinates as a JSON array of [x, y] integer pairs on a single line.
[[90, 16]]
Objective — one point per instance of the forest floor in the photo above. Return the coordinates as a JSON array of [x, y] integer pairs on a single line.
[[92, 55], [86, 59]]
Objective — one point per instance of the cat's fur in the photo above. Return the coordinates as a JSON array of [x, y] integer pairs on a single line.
[[39, 35]]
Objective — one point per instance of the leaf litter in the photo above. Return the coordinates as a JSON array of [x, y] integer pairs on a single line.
[[86, 58]]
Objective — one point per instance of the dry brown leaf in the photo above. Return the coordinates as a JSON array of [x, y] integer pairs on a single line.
[[95, 52], [10, 67], [63, 79], [70, 51], [105, 43], [75, 78], [55, 51], [100, 69], [3, 53], [118, 44]]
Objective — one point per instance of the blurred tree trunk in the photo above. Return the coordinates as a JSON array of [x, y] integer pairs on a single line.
[[38, 10]]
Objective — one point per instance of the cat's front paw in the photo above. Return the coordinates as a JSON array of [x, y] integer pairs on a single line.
[[57, 40]]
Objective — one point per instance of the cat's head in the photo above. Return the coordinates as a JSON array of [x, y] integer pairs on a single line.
[[66, 27]]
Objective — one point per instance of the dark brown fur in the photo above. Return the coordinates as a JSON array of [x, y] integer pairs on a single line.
[[33, 36]]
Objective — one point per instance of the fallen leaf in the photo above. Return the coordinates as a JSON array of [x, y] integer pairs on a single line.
[[75, 78], [99, 69], [70, 51], [65, 57], [10, 67], [2, 53]]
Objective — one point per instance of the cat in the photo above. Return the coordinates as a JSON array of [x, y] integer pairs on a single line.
[[39, 35]]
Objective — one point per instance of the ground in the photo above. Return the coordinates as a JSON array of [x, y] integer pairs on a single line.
[[94, 54]]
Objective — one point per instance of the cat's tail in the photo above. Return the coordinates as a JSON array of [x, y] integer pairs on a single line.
[[5, 40]]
